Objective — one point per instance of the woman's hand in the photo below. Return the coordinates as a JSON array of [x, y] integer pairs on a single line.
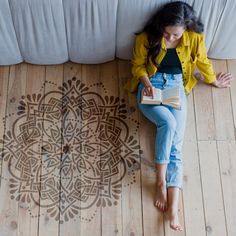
[[149, 91], [148, 88], [223, 80]]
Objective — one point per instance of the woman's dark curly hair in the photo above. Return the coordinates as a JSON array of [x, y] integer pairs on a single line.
[[171, 14]]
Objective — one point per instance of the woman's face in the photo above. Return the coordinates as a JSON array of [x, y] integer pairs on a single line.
[[173, 33]]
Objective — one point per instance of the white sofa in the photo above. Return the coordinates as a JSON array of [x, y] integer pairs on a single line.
[[96, 31]]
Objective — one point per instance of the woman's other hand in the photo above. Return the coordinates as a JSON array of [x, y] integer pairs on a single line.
[[223, 80]]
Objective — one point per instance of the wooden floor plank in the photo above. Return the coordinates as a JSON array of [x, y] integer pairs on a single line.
[[111, 215], [193, 205], [70, 208], [190, 129], [35, 79], [212, 189], [227, 153], [204, 112], [10, 223], [193, 210], [50, 173], [91, 215], [232, 69], [8, 210], [131, 184], [222, 106], [4, 76]]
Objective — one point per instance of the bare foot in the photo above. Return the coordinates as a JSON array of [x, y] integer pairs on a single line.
[[174, 222], [161, 197], [173, 201]]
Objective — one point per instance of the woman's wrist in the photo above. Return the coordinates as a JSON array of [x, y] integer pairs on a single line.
[[145, 81], [215, 83]]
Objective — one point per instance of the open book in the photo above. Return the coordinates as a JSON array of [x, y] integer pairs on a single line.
[[170, 97]]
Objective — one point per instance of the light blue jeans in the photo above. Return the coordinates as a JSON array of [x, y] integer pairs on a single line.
[[170, 127]]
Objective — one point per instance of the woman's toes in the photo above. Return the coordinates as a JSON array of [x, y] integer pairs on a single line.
[[176, 227]]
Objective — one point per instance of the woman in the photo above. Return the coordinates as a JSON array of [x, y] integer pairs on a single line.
[[165, 54]]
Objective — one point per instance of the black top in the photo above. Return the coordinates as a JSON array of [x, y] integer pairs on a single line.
[[170, 63]]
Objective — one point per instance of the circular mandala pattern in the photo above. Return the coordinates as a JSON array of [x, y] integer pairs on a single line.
[[69, 150]]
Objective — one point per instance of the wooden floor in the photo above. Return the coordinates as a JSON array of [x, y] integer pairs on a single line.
[[77, 156]]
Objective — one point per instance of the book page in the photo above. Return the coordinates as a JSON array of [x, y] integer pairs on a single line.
[[171, 93], [157, 95]]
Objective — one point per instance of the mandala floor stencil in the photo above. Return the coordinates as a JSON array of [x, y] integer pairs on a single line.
[[70, 150]]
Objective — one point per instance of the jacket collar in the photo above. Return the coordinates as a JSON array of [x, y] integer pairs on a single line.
[[185, 39]]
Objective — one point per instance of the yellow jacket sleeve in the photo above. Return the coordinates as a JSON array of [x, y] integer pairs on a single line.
[[203, 63], [139, 61]]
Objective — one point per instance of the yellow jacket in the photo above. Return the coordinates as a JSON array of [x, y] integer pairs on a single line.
[[191, 51]]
